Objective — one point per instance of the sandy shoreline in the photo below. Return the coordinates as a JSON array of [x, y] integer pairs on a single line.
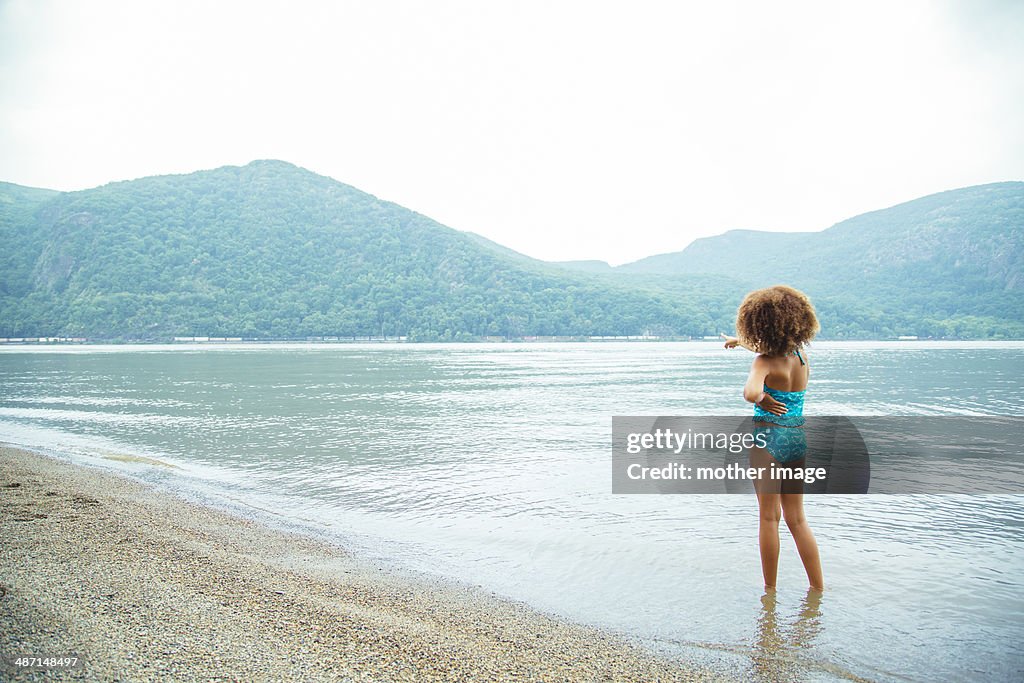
[[143, 585]]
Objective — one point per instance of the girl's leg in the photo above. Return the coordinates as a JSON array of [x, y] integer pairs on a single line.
[[768, 536], [793, 511]]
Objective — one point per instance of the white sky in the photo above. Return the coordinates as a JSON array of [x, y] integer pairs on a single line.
[[565, 130]]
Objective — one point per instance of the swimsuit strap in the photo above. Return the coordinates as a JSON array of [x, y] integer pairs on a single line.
[[797, 352]]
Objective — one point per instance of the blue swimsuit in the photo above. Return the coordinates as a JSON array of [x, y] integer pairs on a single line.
[[784, 440]]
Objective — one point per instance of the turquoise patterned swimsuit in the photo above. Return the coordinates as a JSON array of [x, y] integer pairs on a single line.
[[784, 440]]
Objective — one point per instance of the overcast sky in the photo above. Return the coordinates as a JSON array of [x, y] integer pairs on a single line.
[[565, 130]]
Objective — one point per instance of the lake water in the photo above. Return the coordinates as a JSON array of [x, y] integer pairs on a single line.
[[491, 464]]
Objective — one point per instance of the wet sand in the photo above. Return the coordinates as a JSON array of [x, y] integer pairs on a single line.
[[143, 585]]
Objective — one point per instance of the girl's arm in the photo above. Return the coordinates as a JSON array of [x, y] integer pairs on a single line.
[[753, 390], [733, 342]]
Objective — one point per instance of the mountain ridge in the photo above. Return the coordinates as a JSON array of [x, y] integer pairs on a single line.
[[661, 262], [273, 250], [270, 249]]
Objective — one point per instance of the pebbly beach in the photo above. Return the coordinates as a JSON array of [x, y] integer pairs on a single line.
[[142, 585]]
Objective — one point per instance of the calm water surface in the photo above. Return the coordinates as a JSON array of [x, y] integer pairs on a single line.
[[491, 464]]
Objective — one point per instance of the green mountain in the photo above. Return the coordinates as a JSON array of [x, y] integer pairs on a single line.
[[976, 229], [947, 265], [272, 250], [589, 266]]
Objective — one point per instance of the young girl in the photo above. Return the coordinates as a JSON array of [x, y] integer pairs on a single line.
[[776, 323]]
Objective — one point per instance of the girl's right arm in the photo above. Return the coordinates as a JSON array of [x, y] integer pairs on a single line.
[[753, 390], [733, 342]]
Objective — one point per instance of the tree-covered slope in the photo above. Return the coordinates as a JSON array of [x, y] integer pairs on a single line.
[[19, 240], [949, 264], [270, 249]]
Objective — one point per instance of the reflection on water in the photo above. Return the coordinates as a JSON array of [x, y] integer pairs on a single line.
[[490, 463], [779, 647]]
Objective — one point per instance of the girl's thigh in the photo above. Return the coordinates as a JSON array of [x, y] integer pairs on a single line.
[[766, 484]]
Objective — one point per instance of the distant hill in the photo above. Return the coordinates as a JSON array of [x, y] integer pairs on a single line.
[[737, 252], [976, 229], [949, 264], [273, 250], [591, 266]]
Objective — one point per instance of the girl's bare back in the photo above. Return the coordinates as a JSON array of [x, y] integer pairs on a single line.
[[787, 373]]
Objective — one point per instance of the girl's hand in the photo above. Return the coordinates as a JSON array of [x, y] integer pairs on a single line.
[[730, 342], [772, 406]]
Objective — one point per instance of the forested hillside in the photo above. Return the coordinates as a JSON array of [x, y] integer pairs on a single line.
[[946, 265], [272, 250]]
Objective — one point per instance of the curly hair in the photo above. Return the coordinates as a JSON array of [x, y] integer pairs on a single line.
[[776, 321]]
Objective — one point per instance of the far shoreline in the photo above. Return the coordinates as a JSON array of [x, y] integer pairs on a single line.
[[28, 343]]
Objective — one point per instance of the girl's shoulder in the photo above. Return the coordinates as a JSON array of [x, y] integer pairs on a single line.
[[780, 363]]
